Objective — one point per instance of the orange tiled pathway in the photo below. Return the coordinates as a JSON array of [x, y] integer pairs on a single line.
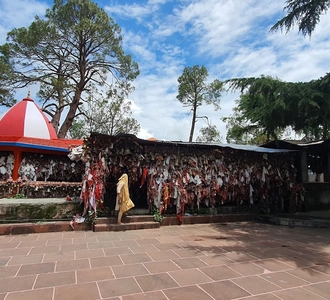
[[203, 262]]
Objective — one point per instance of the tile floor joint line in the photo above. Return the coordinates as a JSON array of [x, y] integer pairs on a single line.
[[98, 289], [276, 296], [206, 292], [269, 281], [240, 287], [228, 266], [137, 283], [307, 282], [166, 298], [315, 294], [212, 280], [173, 279], [18, 269]]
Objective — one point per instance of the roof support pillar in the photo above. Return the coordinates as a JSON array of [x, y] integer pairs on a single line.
[[303, 165], [327, 161], [17, 163]]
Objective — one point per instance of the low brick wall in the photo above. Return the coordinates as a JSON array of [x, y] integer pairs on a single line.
[[39, 189], [49, 211]]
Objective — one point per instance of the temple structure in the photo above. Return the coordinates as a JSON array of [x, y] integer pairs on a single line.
[[26, 133]]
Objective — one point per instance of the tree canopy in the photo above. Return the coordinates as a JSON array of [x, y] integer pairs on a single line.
[[110, 115], [241, 131], [194, 91], [209, 134], [304, 13], [269, 106], [6, 73], [74, 50]]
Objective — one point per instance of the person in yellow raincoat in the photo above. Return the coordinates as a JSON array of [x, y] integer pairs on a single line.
[[123, 201]]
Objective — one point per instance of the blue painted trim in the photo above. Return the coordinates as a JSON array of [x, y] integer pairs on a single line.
[[41, 147]]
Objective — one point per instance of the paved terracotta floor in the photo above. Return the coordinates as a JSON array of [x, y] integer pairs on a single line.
[[202, 262]]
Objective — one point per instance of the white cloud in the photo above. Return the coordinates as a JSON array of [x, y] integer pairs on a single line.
[[18, 13], [135, 10], [131, 11], [230, 31]]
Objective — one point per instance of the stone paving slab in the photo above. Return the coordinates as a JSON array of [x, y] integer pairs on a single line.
[[243, 261]]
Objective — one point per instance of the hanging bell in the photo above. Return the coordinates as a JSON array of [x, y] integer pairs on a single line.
[[127, 152]]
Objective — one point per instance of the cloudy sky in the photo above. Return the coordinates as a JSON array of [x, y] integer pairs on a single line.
[[229, 37]]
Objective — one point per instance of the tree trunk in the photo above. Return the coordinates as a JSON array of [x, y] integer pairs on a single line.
[[56, 120], [57, 116], [70, 116], [193, 124]]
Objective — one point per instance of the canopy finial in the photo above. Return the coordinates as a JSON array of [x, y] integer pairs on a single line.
[[29, 93]]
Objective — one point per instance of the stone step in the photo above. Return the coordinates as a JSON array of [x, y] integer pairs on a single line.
[[126, 219], [130, 223], [293, 221], [56, 226], [173, 220], [126, 226], [138, 211]]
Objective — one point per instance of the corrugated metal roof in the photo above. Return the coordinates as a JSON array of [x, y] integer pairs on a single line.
[[311, 143], [239, 147], [292, 144], [99, 136]]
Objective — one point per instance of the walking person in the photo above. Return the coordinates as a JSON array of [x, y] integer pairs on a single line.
[[123, 201]]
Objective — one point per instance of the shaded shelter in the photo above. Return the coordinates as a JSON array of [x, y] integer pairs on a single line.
[[30, 152], [181, 177]]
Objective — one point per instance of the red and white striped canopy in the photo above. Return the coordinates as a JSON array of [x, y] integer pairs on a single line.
[[25, 119]]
